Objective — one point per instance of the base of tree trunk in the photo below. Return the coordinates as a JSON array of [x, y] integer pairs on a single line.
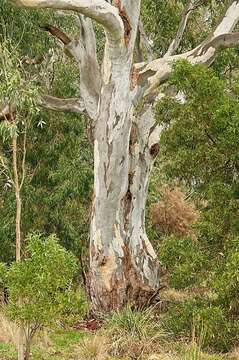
[[126, 284]]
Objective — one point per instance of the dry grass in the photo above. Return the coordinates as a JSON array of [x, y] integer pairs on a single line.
[[129, 335], [93, 348], [174, 296], [234, 355], [102, 346], [134, 334], [8, 331], [162, 356]]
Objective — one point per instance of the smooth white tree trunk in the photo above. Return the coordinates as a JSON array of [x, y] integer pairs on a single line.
[[123, 264]]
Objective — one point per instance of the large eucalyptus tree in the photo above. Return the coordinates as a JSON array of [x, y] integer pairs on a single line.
[[118, 96]]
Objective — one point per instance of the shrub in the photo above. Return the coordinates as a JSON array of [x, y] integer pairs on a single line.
[[184, 259], [173, 214], [40, 287], [226, 279], [206, 322], [2, 275]]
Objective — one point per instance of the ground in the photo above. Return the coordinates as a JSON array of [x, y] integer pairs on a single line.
[[81, 345]]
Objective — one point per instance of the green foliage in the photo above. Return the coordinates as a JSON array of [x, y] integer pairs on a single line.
[[199, 150], [184, 259], [40, 286], [209, 324], [58, 197], [205, 131], [226, 278], [16, 85], [200, 147]]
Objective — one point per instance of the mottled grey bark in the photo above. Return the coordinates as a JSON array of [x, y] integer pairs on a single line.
[[123, 264]]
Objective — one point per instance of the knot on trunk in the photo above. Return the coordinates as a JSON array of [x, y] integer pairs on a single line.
[[154, 150]]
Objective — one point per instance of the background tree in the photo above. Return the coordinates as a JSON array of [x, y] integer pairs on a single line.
[[57, 149]]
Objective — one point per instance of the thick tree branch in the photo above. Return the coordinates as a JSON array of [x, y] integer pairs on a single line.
[[56, 32], [138, 51], [219, 42], [72, 105], [229, 20], [84, 51], [151, 75], [145, 41], [142, 42], [98, 10]]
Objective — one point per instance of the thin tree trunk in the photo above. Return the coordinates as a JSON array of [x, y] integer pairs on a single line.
[[21, 335], [28, 349], [18, 199]]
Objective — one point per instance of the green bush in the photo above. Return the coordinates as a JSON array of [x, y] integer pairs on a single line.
[[184, 259], [40, 286], [226, 278], [202, 322]]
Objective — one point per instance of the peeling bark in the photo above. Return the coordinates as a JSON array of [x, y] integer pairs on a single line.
[[124, 266]]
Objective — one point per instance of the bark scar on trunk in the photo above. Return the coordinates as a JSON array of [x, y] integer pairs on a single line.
[[154, 150], [126, 22], [127, 206], [133, 138], [128, 201]]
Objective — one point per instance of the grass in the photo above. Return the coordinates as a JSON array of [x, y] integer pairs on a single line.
[[61, 345], [129, 335], [134, 333]]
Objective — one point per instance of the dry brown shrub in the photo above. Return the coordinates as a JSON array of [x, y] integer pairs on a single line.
[[173, 214]]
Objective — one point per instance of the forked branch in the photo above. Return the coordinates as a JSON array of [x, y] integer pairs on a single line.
[[151, 75], [83, 49]]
